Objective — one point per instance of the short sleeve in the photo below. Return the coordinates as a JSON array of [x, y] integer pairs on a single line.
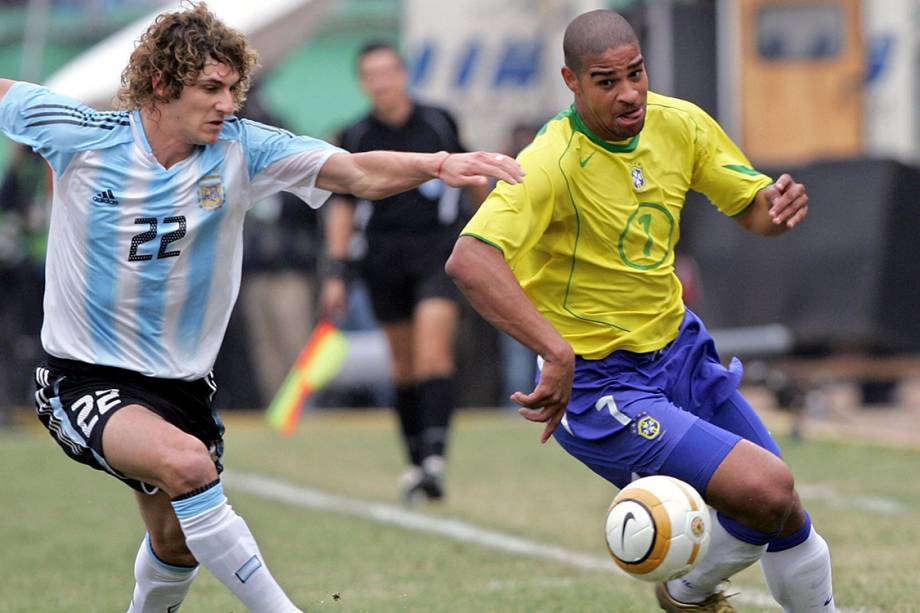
[[280, 161], [720, 169], [514, 217], [55, 126]]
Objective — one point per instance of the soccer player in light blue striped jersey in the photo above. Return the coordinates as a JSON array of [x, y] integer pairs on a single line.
[[143, 269]]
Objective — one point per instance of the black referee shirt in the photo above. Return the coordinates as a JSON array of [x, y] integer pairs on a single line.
[[429, 129]]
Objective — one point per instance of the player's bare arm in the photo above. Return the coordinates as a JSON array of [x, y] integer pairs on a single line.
[[777, 208], [378, 174], [484, 277], [5, 85]]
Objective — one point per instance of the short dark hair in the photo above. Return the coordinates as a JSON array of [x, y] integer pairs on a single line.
[[378, 45], [594, 32]]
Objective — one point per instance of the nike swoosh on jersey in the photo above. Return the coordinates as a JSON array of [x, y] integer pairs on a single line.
[[585, 161]]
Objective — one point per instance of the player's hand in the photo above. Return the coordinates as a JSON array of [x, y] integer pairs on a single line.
[[333, 298], [474, 169], [788, 202], [548, 401]]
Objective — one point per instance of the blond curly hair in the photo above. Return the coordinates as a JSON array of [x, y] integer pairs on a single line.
[[173, 51]]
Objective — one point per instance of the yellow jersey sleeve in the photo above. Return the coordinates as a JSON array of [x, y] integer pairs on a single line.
[[721, 171], [515, 217]]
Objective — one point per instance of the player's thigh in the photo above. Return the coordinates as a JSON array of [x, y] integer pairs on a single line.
[[738, 416], [141, 444], [76, 401], [712, 445], [626, 434], [434, 328], [752, 478]]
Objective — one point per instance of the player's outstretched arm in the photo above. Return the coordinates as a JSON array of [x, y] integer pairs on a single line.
[[776, 208], [5, 85], [378, 174], [481, 272]]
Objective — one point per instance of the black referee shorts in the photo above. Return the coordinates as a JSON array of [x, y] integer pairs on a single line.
[[75, 400], [402, 269]]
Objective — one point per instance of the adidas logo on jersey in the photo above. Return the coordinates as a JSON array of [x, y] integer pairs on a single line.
[[106, 197]]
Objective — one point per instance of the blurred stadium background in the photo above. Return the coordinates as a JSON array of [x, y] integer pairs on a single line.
[[826, 89], [829, 90], [827, 318]]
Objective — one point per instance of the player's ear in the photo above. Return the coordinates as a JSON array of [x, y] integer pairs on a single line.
[[157, 83], [571, 80]]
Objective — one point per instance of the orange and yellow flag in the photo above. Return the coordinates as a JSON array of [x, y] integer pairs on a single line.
[[319, 362]]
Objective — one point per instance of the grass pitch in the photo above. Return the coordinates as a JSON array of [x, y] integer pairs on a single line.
[[69, 534]]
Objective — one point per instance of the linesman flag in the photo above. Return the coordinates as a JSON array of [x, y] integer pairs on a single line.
[[319, 361]]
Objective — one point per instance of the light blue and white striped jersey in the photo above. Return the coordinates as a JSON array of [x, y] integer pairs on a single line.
[[144, 263]]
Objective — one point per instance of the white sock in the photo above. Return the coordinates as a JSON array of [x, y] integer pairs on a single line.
[[222, 542], [160, 587], [800, 577], [726, 557]]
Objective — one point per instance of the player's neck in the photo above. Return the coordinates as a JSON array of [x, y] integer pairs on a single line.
[[395, 115], [167, 149], [596, 127]]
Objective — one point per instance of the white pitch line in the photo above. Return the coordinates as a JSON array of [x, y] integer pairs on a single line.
[[830, 496], [308, 498], [281, 491]]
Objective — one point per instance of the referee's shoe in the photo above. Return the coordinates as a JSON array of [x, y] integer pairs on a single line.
[[425, 481]]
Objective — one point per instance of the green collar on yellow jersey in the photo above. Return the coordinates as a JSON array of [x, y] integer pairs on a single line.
[[579, 126]]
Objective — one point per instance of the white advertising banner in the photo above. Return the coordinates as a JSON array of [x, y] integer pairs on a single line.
[[892, 80], [493, 64]]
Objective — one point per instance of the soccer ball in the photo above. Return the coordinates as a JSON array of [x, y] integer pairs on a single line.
[[658, 528]]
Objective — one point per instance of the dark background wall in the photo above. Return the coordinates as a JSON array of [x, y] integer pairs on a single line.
[[847, 278]]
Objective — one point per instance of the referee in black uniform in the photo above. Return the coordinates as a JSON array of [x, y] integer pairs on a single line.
[[409, 238]]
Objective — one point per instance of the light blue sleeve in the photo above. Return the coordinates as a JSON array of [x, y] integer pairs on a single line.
[[55, 126], [266, 144], [280, 161]]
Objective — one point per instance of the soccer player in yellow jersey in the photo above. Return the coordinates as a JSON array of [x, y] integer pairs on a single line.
[[577, 263]]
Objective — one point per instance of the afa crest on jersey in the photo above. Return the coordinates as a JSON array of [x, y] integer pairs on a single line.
[[638, 177], [210, 192]]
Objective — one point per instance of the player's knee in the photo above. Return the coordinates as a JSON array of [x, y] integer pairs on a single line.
[[434, 367], [187, 466], [771, 499], [778, 504], [796, 518], [403, 375]]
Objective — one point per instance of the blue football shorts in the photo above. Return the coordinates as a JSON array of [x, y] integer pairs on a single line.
[[676, 411]]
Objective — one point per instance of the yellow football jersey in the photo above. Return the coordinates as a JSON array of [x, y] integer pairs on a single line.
[[590, 233]]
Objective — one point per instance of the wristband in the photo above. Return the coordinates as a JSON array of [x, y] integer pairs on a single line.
[[337, 269], [441, 165]]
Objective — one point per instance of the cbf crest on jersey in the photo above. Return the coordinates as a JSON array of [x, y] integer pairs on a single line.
[[210, 192], [638, 177]]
